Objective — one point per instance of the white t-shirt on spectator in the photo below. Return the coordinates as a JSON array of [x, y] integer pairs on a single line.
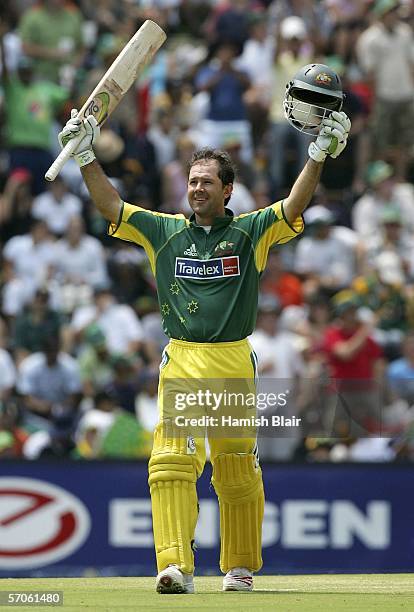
[[367, 211], [31, 261], [83, 263], [257, 61], [327, 257], [119, 323], [56, 215], [390, 56], [280, 351], [15, 295]]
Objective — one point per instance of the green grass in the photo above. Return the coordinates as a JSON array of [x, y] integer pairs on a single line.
[[315, 593]]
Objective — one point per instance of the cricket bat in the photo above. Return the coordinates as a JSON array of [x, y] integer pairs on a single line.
[[110, 90]]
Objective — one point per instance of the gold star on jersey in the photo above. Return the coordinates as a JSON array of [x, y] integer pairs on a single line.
[[174, 288], [165, 309], [192, 306]]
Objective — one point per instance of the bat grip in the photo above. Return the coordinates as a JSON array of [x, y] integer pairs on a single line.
[[62, 158]]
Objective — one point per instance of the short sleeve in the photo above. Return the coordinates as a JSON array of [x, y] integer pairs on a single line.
[[267, 227], [149, 229]]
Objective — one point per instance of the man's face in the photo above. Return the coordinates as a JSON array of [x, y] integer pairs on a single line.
[[205, 191]]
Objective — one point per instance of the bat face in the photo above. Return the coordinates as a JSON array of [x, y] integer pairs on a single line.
[[98, 107], [115, 83], [124, 71]]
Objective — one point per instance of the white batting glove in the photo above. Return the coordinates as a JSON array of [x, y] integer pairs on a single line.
[[88, 129], [332, 137]]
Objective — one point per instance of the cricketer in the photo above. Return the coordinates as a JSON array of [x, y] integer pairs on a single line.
[[207, 269]]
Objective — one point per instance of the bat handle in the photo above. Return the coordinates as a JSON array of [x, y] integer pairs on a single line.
[[62, 158]]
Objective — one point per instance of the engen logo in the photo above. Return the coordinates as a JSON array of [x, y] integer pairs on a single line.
[[205, 269], [40, 523]]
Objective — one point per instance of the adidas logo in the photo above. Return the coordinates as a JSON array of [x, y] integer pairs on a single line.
[[192, 251]]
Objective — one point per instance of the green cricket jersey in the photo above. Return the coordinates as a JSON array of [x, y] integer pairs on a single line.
[[207, 282]]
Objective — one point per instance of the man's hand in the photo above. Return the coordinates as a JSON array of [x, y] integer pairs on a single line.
[[89, 131], [332, 138]]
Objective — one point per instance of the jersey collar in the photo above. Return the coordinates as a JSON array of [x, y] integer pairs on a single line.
[[218, 222]]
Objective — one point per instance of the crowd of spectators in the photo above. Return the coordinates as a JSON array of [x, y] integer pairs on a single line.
[[80, 330]]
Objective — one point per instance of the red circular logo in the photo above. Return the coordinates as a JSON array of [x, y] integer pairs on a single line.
[[40, 523]]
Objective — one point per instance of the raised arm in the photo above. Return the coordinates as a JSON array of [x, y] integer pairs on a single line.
[[103, 194], [331, 141], [302, 190]]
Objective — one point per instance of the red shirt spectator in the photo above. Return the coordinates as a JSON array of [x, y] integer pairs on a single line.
[[350, 350], [361, 363]]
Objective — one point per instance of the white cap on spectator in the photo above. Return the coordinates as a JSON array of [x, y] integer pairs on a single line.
[[318, 214], [293, 27]]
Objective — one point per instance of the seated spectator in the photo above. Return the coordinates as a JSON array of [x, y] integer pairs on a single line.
[[95, 362], [107, 431], [128, 271], [324, 259], [400, 372], [391, 239], [50, 384], [15, 293], [146, 405], [37, 322], [80, 258], [56, 207], [119, 323], [31, 256], [384, 192], [125, 383], [56, 442], [383, 292]]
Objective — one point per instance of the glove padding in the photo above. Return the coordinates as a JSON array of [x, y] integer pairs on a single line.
[[89, 129], [332, 137]]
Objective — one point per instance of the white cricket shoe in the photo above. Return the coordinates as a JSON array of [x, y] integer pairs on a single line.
[[238, 579], [172, 580]]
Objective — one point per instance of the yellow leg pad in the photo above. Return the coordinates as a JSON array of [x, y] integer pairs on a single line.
[[172, 481], [239, 487]]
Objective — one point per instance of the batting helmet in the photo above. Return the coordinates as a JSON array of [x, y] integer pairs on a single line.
[[313, 93]]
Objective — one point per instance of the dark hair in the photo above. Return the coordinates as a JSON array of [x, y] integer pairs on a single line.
[[227, 169]]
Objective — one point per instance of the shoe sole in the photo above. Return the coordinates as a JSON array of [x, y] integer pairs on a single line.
[[238, 586], [168, 585]]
